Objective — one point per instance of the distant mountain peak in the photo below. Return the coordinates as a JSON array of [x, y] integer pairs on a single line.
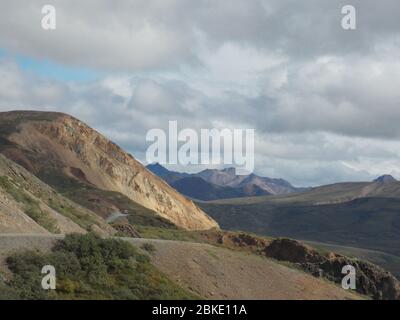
[[221, 183], [156, 165], [386, 178], [231, 170], [157, 168]]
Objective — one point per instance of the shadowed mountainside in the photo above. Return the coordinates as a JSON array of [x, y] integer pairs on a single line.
[[212, 184], [361, 215]]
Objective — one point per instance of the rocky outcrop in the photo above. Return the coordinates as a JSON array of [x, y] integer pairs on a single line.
[[61, 144], [371, 280], [241, 240], [126, 230], [386, 178], [292, 251]]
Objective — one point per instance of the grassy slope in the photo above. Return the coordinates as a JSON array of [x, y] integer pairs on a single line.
[[30, 206], [22, 185], [103, 202], [335, 193], [89, 268], [371, 223], [92, 268]]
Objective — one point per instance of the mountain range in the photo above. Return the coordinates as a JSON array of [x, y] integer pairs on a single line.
[[213, 184], [59, 177], [358, 217]]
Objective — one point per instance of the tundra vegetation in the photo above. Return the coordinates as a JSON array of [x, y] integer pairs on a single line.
[[89, 267]]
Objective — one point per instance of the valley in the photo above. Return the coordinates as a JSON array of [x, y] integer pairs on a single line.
[[359, 215], [65, 188]]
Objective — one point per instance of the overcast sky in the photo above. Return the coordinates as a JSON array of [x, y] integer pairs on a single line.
[[325, 102]]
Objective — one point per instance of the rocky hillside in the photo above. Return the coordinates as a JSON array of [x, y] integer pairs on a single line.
[[210, 272], [27, 205], [363, 215], [371, 280], [57, 147], [263, 185]]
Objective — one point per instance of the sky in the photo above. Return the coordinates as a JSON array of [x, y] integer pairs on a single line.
[[324, 101]]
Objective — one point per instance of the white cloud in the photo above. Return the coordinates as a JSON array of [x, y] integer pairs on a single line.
[[134, 35], [307, 158]]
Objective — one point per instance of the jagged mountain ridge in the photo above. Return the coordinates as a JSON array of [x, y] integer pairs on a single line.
[[228, 177], [55, 146], [213, 184]]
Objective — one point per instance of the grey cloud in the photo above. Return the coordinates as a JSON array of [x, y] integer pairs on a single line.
[[137, 35], [317, 96], [313, 173], [307, 158]]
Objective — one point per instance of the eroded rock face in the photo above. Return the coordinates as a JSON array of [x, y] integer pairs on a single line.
[[371, 280], [292, 251], [126, 230], [67, 145], [242, 240]]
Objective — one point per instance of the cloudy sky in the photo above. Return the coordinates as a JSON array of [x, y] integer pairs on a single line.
[[325, 102]]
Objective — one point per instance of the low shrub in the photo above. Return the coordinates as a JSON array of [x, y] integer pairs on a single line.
[[89, 267]]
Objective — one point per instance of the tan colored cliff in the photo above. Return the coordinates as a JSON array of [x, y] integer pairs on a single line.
[[78, 150]]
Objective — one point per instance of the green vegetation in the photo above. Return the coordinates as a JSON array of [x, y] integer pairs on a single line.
[[7, 293], [31, 206], [168, 234], [149, 247], [242, 241], [82, 219], [369, 225], [89, 267], [17, 184], [103, 202]]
